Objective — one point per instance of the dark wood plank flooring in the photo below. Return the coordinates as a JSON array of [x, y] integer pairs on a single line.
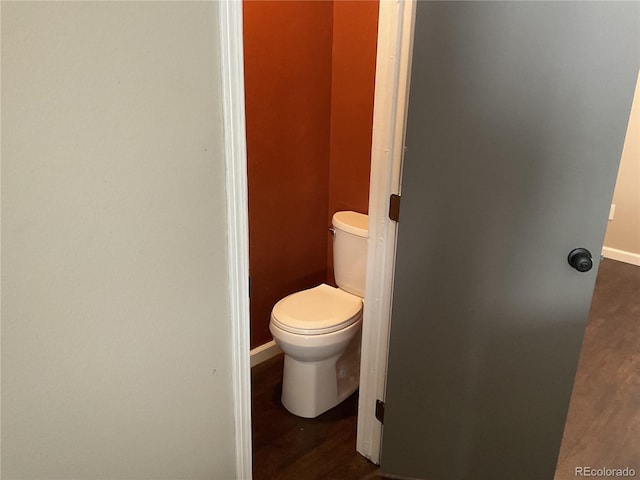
[[603, 425], [289, 447]]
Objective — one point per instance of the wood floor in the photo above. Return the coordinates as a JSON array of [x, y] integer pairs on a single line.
[[289, 447], [603, 425]]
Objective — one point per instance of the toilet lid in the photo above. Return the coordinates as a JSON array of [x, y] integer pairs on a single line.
[[321, 309]]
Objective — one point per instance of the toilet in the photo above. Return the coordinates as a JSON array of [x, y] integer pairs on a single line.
[[319, 329]]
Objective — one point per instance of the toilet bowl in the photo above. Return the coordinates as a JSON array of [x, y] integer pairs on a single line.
[[321, 347], [319, 329]]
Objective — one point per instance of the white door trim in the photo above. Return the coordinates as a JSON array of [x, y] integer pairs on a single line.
[[395, 41], [232, 71]]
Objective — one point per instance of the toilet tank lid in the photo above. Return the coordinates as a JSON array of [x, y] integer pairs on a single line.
[[351, 222]]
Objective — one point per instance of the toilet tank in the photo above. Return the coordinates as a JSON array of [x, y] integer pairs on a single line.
[[350, 251]]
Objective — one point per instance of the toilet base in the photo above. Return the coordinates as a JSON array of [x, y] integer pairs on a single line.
[[311, 388]]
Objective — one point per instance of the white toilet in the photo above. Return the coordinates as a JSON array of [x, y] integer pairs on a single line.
[[319, 329]]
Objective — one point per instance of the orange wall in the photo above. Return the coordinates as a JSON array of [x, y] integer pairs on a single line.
[[287, 48], [308, 66], [355, 33]]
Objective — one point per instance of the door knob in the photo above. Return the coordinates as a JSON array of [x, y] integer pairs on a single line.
[[580, 259]]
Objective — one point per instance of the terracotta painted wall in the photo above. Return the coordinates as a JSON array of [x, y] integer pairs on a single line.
[[355, 33], [309, 75], [287, 48]]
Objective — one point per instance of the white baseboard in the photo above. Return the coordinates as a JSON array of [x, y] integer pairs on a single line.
[[621, 255], [264, 352]]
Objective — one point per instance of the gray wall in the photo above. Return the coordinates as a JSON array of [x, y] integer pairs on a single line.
[[115, 322]]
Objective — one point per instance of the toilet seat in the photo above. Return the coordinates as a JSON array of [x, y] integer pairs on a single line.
[[316, 311]]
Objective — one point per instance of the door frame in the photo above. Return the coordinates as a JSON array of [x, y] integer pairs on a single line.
[[235, 160], [395, 37], [393, 64]]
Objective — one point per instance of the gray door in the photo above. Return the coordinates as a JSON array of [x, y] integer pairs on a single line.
[[517, 117]]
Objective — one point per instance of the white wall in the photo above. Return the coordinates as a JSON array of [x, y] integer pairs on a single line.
[[622, 241], [115, 320]]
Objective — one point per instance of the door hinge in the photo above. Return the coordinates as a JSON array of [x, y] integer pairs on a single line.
[[394, 207], [380, 411]]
